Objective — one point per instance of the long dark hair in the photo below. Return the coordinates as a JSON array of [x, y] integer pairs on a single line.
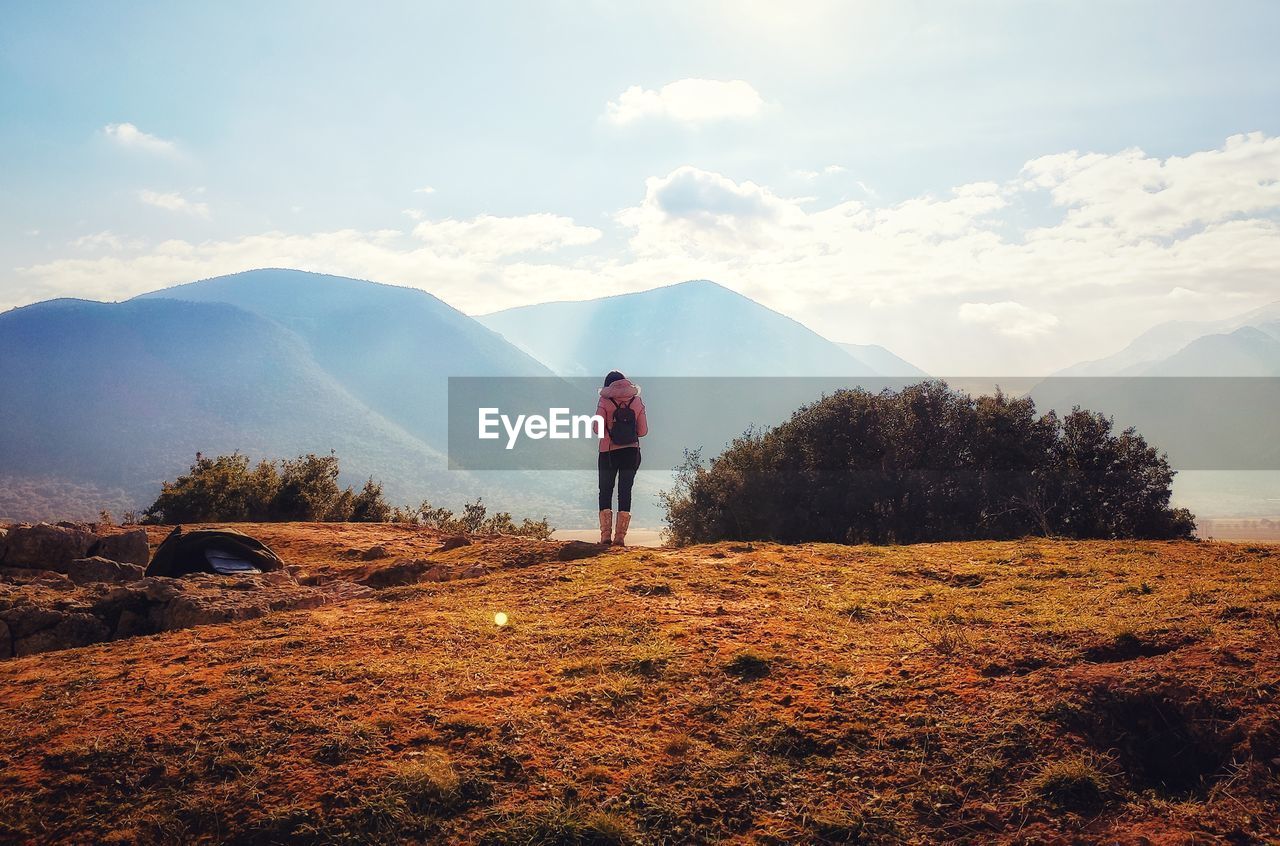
[[614, 375]]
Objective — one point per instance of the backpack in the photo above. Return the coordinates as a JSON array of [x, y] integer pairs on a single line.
[[623, 430]]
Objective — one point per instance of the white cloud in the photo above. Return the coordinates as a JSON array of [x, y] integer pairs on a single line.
[[1186, 294], [503, 236], [128, 135], [1137, 197], [686, 101], [1008, 318], [105, 240], [698, 212], [834, 169], [425, 189], [413, 214], [473, 264], [925, 276], [174, 202]]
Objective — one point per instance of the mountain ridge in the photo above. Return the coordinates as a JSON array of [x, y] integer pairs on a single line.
[[697, 327], [122, 395]]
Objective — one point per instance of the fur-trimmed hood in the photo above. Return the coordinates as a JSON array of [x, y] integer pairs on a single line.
[[623, 389]]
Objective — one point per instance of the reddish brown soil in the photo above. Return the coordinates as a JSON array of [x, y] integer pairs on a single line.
[[1021, 692]]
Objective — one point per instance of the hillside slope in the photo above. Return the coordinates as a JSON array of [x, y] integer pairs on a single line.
[[1019, 692], [391, 347], [882, 360], [123, 395], [694, 328]]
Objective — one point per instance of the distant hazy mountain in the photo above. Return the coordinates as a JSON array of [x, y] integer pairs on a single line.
[[882, 360], [122, 395], [690, 329], [1147, 354], [391, 347], [1248, 351]]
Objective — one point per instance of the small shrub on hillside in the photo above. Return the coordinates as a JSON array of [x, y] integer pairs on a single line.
[[474, 520], [228, 489], [1072, 784], [224, 488]]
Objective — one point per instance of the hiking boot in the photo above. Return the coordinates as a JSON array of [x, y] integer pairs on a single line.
[[620, 533], [606, 524]]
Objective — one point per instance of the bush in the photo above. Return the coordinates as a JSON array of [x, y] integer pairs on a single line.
[[217, 489], [473, 521], [926, 463], [309, 491], [227, 489]]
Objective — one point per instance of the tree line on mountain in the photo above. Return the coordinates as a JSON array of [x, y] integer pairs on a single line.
[[230, 489], [927, 463]]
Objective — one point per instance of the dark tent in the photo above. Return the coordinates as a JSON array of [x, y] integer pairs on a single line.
[[221, 551]]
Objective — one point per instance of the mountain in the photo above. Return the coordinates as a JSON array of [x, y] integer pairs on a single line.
[[882, 360], [1248, 351], [1152, 348], [392, 348], [694, 328], [122, 395]]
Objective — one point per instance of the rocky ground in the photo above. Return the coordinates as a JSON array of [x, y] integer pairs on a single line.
[[1023, 692], [69, 585]]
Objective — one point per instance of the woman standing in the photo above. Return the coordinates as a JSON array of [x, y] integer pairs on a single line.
[[624, 425]]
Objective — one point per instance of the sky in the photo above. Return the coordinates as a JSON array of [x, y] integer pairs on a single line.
[[984, 188]]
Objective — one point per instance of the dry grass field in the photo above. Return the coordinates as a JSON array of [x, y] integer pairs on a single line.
[[1021, 692]]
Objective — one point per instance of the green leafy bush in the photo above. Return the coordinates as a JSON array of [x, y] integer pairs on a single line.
[[927, 463], [228, 489]]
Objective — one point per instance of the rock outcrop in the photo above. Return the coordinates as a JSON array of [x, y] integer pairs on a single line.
[[453, 542], [51, 612], [574, 550], [98, 569], [46, 547], [407, 571], [127, 547]]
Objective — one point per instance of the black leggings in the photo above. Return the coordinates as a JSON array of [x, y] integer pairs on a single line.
[[622, 464]]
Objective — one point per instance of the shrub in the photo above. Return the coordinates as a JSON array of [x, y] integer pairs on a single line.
[[368, 506], [473, 521], [309, 490], [1073, 784], [217, 489], [926, 463], [228, 489]]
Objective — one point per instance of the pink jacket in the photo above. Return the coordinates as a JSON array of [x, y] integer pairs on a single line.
[[621, 391]]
